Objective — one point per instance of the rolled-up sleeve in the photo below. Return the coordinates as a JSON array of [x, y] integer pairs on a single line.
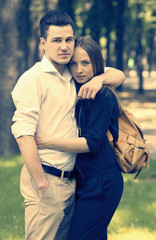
[[99, 118], [27, 99]]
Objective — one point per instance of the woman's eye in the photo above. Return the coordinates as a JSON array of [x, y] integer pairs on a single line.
[[72, 63], [85, 63]]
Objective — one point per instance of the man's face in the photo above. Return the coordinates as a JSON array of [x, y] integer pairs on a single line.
[[59, 45]]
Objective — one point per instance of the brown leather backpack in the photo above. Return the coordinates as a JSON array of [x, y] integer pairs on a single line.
[[131, 148]]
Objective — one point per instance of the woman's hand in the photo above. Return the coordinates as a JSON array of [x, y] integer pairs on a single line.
[[90, 89]]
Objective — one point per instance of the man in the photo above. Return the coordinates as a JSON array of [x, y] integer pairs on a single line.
[[45, 98]]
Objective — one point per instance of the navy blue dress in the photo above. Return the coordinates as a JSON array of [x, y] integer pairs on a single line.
[[99, 180]]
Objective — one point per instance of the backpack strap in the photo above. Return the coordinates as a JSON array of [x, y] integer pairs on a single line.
[[148, 157], [138, 173]]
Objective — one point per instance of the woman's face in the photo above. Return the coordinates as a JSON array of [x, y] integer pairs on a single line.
[[80, 66]]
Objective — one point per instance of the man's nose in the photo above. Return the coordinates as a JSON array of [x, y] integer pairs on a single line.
[[64, 46]]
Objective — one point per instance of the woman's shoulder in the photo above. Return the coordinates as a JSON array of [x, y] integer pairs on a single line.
[[107, 92], [105, 96]]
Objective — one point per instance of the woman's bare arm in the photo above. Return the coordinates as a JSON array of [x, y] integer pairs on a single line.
[[73, 145]]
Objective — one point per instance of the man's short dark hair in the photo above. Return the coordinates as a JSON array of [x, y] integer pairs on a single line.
[[56, 18]]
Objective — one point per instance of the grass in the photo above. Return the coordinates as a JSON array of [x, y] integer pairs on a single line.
[[136, 214], [11, 202], [133, 220]]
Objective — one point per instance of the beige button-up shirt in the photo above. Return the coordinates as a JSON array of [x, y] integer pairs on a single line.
[[45, 102]]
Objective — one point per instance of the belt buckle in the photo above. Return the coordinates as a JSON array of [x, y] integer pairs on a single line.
[[62, 175]]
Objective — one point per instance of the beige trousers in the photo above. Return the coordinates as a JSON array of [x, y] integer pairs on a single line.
[[49, 218]]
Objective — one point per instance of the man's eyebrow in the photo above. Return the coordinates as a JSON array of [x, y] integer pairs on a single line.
[[70, 37], [56, 38]]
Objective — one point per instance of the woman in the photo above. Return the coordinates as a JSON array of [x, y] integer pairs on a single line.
[[99, 180]]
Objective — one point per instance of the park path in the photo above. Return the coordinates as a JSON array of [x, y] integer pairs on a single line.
[[143, 106]]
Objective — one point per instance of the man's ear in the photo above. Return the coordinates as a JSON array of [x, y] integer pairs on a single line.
[[42, 42]]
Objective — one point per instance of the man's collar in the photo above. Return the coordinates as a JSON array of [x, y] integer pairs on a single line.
[[47, 66]]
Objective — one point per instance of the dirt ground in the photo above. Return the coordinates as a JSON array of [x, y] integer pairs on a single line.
[[143, 106]]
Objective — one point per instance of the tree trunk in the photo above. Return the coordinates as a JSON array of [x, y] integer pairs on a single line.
[[67, 6], [139, 50], [13, 19], [151, 48], [108, 45], [120, 35], [52, 4]]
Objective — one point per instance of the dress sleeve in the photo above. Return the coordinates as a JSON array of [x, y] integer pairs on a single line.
[[27, 99], [99, 117]]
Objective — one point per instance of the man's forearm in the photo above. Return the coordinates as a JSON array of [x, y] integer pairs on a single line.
[[31, 159], [112, 77]]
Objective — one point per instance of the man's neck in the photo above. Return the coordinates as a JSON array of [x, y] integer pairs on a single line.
[[59, 67]]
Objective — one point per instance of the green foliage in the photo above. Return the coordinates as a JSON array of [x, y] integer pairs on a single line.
[[99, 19], [134, 218]]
